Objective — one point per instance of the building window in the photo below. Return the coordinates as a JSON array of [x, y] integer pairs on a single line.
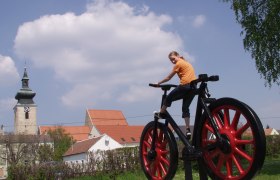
[[132, 138], [26, 115], [123, 139]]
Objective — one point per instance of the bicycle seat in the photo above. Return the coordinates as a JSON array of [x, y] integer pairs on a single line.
[[164, 87]]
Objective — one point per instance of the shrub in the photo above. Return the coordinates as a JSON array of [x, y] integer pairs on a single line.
[[273, 146], [112, 162]]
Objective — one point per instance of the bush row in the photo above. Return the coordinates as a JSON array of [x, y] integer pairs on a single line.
[[112, 162], [273, 146]]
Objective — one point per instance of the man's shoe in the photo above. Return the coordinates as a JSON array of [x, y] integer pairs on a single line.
[[188, 133]]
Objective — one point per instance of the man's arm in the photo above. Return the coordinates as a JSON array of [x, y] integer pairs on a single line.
[[167, 78]]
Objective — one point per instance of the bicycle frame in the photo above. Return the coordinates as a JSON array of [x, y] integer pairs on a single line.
[[202, 102], [229, 154]]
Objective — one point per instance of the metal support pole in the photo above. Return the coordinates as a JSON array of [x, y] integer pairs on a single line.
[[188, 170], [187, 164], [202, 173]]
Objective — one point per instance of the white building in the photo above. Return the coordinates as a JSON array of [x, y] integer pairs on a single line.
[[80, 151]]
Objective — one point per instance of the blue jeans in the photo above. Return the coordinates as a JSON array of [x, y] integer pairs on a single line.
[[181, 92]]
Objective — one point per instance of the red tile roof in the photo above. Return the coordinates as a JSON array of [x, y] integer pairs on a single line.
[[122, 134], [77, 132], [107, 117], [82, 146]]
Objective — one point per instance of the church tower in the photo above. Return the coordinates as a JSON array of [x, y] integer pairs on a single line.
[[25, 109]]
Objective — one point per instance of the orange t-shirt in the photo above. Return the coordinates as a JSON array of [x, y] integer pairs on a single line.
[[185, 71]]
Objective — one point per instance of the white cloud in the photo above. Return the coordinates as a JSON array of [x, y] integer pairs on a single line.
[[8, 71], [199, 21], [138, 93], [104, 51], [7, 104]]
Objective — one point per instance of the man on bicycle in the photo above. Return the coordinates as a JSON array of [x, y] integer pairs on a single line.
[[186, 73]]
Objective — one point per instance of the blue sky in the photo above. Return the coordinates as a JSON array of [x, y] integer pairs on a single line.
[[83, 54]]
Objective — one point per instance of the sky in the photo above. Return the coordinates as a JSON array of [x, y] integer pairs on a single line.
[[102, 54]]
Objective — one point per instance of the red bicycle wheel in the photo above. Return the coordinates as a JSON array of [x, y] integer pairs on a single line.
[[242, 153], [161, 163]]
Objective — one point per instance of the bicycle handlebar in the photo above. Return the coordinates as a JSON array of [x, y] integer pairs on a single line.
[[205, 78], [163, 86]]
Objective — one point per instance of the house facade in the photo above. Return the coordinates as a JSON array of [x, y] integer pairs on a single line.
[[81, 151]]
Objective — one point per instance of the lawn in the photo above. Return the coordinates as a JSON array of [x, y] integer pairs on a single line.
[[270, 171]]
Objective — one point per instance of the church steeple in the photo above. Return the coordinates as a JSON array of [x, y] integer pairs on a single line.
[[25, 95], [25, 110], [25, 79]]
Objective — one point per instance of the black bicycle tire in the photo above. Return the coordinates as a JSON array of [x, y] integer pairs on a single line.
[[257, 130], [172, 145], [261, 136]]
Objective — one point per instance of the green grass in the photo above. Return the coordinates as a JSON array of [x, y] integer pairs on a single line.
[[138, 175], [270, 171]]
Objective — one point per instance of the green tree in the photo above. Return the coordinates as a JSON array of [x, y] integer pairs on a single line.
[[260, 22], [62, 142], [45, 153]]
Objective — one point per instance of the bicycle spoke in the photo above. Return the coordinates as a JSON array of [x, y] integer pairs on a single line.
[[238, 164], [159, 171], [150, 135], [160, 136], [147, 144], [226, 118], [165, 161], [229, 167], [209, 127], [163, 169], [148, 164], [164, 143], [244, 142], [242, 129], [235, 120], [243, 154], [218, 121], [154, 169], [220, 162]]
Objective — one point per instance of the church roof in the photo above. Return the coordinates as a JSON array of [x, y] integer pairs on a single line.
[[77, 132], [122, 134], [107, 117], [25, 95]]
